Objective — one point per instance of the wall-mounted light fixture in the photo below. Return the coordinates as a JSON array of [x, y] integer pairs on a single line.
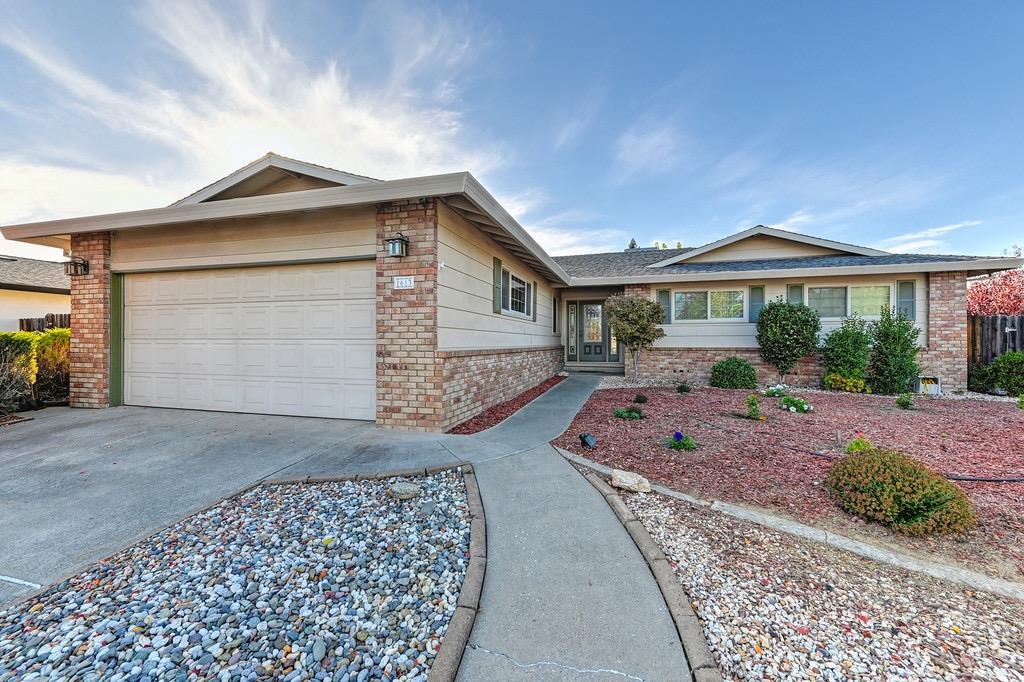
[[76, 265], [398, 246]]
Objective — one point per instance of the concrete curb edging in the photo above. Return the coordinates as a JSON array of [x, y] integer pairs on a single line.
[[964, 576], [703, 667]]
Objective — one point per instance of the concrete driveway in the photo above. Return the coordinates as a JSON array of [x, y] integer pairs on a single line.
[[77, 485]]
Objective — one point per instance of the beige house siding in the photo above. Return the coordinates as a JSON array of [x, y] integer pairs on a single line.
[[333, 234], [759, 247], [465, 313], [15, 305], [288, 183], [742, 334]]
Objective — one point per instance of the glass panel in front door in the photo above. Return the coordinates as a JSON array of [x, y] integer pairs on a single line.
[[593, 333]]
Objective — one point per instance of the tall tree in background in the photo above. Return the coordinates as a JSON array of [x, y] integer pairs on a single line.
[[998, 294]]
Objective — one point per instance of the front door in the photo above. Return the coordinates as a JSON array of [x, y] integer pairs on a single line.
[[590, 337]]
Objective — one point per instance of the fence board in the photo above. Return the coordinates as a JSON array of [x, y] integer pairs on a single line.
[[40, 324], [989, 336]]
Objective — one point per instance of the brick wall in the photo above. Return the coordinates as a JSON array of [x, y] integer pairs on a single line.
[[694, 365], [639, 290], [477, 380], [90, 322], [946, 352], [409, 373]]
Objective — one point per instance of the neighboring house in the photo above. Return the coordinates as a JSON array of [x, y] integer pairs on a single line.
[[275, 290], [31, 288]]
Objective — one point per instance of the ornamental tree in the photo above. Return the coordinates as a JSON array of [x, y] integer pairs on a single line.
[[635, 322], [787, 332], [1000, 294]]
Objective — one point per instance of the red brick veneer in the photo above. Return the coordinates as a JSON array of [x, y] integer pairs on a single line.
[[90, 322], [694, 365]]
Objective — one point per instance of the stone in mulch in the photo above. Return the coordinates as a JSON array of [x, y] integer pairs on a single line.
[[503, 411], [328, 581], [776, 607]]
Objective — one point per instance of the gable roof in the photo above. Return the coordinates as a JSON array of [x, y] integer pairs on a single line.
[[769, 232], [263, 164], [29, 274]]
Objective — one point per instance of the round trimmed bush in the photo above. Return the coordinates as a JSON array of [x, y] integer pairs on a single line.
[[887, 487], [733, 373], [1007, 372]]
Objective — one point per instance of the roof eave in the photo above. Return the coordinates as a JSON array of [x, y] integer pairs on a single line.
[[34, 289]]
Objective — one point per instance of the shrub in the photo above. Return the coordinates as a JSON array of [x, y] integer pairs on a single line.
[[683, 387], [1020, 402], [635, 322], [733, 373], [979, 378], [859, 444], [847, 350], [754, 407], [837, 382], [794, 404], [905, 401], [681, 441], [787, 332], [893, 353], [639, 399], [18, 369], [890, 488], [1007, 372], [53, 355], [631, 412]]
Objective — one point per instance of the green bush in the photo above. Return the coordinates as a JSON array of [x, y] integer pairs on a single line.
[[859, 444], [53, 356], [1020, 402], [754, 407], [639, 399], [847, 350], [787, 332], [631, 412], [979, 378], [905, 401], [836, 382], [681, 441], [890, 488], [683, 387], [733, 373], [893, 353], [18, 369], [1007, 372]]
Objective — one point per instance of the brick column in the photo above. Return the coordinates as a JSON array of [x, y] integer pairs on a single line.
[[946, 351], [409, 373], [638, 290], [90, 322]]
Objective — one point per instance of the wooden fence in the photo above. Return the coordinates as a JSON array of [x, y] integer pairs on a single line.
[[40, 324], [989, 336]]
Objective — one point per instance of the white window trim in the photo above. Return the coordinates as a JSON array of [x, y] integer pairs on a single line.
[[743, 290], [528, 302]]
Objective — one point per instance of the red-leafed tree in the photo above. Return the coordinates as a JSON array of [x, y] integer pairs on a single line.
[[1000, 294]]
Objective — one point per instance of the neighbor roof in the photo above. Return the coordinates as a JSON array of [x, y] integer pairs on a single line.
[[28, 274]]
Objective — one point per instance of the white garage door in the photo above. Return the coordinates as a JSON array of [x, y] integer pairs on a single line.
[[291, 339]]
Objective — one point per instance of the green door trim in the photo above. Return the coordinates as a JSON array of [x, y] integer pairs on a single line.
[[116, 330]]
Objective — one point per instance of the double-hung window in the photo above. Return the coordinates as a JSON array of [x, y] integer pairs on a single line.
[[516, 294], [869, 301], [707, 305], [827, 301]]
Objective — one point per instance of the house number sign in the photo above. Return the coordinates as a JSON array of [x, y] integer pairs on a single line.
[[404, 282]]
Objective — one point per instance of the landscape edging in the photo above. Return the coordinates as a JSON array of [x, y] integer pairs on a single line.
[[703, 667], [964, 576]]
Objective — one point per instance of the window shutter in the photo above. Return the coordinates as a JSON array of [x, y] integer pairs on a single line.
[[905, 299], [665, 300], [795, 293], [756, 302], [533, 303], [497, 286]]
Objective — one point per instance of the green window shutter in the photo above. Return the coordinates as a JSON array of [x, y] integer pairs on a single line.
[[533, 304], [665, 300], [905, 299], [795, 293], [756, 302], [497, 286]]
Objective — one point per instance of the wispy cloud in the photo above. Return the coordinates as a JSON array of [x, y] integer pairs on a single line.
[[576, 231], [650, 148], [581, 118], [921, 240]]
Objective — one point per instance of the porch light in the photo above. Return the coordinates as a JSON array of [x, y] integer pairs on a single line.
[[398, 246], [76, 265]]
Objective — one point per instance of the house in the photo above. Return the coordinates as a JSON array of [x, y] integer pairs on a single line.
[[31, 288], [291, 288]]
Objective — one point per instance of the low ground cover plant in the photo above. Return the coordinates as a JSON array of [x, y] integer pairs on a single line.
[[905, 401], [681, 441], [640, 399], [787, 332], [794, 404], [682, 387], [860, 443], [631, 412], [776, 390], [837, 382], [733, 373], [887, 487]]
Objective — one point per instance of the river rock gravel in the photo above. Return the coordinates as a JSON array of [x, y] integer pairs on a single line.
[[775, 607], [327, 581]]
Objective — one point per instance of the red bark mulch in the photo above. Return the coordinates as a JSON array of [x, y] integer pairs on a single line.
[[767, 464], [503, 411], [8, 419]]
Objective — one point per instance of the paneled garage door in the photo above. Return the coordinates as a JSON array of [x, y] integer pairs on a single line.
[[291, 339]]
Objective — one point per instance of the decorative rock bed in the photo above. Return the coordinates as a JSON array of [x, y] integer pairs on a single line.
[[329, 581]]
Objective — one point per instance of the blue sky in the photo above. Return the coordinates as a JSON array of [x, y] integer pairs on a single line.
[[894, 125]]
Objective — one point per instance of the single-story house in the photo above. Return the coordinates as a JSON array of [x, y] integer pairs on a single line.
[[31, 288], [291, 288]]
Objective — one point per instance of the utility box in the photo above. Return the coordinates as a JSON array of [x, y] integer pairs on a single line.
[[929, 385]]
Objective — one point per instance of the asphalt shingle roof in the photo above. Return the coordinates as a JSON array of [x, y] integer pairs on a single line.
[[30, 274], [634, 262]]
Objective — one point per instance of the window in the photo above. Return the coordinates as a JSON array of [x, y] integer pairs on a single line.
[[795, 294], [869, 301], [906, 301], [691, 305], [665, 300], [828, 301], [708, 305], [555, 313], [516, 294], [756, 302], [726, 305]]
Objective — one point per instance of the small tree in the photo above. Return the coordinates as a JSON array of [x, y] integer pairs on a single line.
[[635, 323], [893, 353], [787, 332]]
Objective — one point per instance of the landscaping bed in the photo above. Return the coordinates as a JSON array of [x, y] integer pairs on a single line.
[[334, 581], [773, 606], [503, 411], [770, 464]]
